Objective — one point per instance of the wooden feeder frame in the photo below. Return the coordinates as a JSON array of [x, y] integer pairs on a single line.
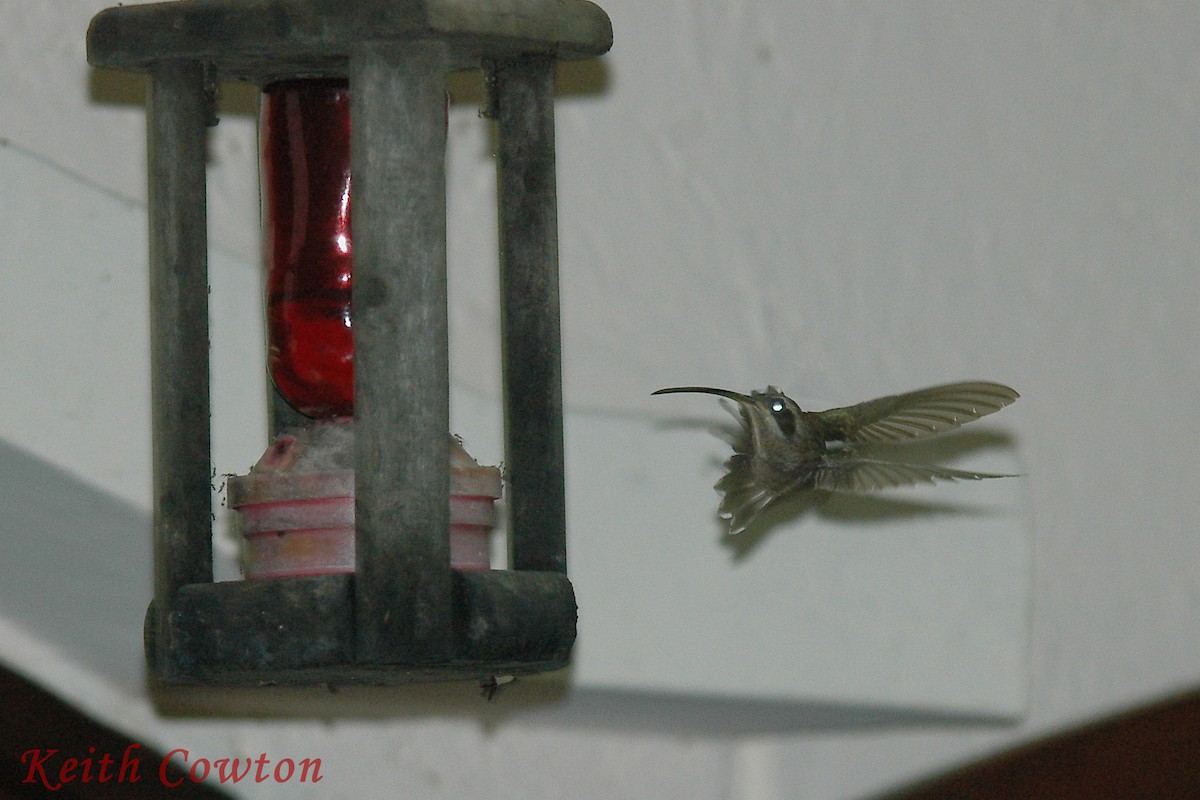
[[405, 615]]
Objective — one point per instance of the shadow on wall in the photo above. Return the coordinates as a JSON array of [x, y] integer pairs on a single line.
[[75, 566], [75, 570]]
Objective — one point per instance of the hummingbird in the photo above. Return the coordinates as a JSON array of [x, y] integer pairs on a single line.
[[780, 449]]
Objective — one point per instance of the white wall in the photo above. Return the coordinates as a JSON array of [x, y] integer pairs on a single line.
[[846, 201]]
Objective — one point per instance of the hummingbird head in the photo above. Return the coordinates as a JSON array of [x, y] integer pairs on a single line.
[[770, 451], [769, 415]]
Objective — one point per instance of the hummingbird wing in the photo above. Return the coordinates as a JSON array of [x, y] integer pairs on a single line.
[[743, 495], [914, 414], [852, 474]]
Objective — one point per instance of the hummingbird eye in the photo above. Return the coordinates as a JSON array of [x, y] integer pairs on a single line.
[[784, 418]]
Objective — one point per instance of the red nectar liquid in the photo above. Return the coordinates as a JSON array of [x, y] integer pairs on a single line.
[[306, 197]]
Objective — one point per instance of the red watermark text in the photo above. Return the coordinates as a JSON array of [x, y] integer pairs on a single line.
[[50, 768]]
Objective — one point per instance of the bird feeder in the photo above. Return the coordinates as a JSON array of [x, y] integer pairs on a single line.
[[405, 613]]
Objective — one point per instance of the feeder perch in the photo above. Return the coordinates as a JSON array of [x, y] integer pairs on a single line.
[[404, 614]]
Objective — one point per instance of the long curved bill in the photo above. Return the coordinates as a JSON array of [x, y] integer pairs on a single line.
[[741, 398]]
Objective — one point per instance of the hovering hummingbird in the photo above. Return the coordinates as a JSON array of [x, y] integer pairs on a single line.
[[780, 449]]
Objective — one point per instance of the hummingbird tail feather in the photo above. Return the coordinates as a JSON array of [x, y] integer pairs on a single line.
[[743, 499]]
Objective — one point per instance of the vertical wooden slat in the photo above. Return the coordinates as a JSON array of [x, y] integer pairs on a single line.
[[523, 98], [397, 151], [178, 112]]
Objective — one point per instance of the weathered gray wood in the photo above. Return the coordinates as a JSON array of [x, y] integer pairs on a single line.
[[270, 625], [523, 105], [405, 615], [261, 40], [300, 629], [178, 110], [401, 382], [504, 615]]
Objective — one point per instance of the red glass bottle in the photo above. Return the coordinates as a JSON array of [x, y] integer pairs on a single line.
[[306, 195]]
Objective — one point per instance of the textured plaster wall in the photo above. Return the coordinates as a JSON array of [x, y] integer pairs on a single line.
[[844, 200]]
